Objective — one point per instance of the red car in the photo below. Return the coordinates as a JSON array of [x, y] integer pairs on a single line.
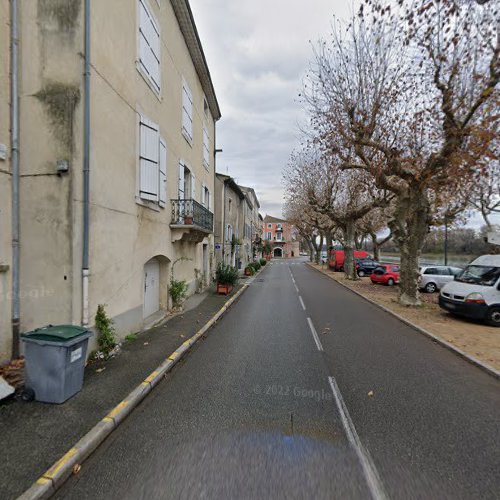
[[387, 274]]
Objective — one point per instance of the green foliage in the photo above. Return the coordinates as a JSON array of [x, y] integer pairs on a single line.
[[249, 270], [226, 274], [178, 291], [263, 262], [255, 266], [106, 338], [131, 337], [268, 248]]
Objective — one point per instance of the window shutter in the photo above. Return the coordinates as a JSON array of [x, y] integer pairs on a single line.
[[149, 45], [187, 110], [203, 200], [163, 173], [209, 195], [193, 187], [206, 148], [181, 181], [149, 160]]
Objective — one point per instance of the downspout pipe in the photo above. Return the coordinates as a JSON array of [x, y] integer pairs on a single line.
[[86, 168], [14, 110]]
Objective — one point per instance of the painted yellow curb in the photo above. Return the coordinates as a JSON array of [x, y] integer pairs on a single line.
[[45, 486]]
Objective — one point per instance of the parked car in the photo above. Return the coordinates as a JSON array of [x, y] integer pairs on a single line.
[[337, 258], [386, 274], [433, 278], [475, 293], [365, 267]]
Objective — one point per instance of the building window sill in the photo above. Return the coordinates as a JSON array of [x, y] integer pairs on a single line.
[[148, 204]]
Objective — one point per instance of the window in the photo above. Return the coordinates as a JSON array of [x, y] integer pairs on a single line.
[[152, 163], [278, 236], [269, 237], [187, 112], [269, 226], [206, 199], [206, 148], [431, 270], [229, 205], [229, 232], [149, 45], [187, 183]]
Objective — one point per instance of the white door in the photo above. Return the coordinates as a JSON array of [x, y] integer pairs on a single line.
[[151, 287]]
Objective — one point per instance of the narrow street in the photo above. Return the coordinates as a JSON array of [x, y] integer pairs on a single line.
[[304, 390]]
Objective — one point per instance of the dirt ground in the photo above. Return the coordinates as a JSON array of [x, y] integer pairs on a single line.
[[472, 337]]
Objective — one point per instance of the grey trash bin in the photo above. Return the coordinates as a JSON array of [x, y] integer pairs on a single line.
[[55, 361]]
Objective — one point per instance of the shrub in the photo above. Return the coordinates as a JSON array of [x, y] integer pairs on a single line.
[[263, 262], [106, 339], [249, 270], [226, 274], [178, 291]]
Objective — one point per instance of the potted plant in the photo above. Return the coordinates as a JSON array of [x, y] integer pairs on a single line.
[[188, 220], [226, 277], [249, 271]]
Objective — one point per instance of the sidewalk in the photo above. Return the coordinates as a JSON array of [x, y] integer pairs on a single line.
[[34, 435]]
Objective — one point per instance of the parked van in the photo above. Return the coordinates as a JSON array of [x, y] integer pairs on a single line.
[[475, 293], [337, 258]]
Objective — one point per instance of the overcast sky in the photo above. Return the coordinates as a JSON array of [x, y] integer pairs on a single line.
[[258, 52]]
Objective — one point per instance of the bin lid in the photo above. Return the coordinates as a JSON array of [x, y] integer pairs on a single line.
[[57, 333]]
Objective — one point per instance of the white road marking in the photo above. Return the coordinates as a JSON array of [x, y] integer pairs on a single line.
[[296, 288], [370, 471], [315, 335], [302, 303]]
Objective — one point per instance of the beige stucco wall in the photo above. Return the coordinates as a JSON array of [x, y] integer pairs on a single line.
[[124, 234], [5, 187]]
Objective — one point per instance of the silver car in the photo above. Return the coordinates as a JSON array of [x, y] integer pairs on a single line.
[[432, 278]]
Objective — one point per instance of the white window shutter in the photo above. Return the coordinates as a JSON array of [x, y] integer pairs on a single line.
[[206, 147], [181, 181], [193, 187], [149, 45], [187, 110], [149, 160], [203, 200], [209, 194], [163, 174]]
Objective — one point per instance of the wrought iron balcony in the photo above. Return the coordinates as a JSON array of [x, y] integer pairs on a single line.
[[192, 220]]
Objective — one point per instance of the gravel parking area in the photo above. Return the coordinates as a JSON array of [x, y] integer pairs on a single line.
[[472, 337]]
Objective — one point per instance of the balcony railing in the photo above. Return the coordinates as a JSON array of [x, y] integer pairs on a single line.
[[191, 213]]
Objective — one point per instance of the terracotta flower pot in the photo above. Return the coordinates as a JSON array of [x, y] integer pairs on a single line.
[[224, 289], [188, 221]]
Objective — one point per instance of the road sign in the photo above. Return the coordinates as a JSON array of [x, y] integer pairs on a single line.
[[217, 247]]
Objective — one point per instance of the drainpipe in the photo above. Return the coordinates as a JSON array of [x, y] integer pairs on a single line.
[[14, 116], [86, 169]]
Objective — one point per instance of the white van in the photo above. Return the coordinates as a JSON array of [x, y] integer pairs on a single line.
[[475, 293]]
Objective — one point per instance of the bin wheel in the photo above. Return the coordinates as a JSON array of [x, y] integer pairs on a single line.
[[28, 395]]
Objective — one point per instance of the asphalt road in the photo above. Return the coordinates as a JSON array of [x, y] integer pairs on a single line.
[[304, 390]]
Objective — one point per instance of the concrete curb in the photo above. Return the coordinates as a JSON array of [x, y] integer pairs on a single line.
[[471, 359], [47, 484]]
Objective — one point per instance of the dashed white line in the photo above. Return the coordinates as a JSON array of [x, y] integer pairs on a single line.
[[296, 288], [315, 335], [302, 303], [370, 471]]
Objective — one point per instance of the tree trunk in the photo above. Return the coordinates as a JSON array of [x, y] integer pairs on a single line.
[[350, 243], [376, 247], [410, 227]]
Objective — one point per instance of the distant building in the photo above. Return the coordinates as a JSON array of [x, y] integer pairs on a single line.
[[281, 236]]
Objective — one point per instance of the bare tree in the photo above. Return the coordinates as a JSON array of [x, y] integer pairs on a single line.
[[408, 92]]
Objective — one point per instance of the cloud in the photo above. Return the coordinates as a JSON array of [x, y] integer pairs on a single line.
[[258, 53]]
